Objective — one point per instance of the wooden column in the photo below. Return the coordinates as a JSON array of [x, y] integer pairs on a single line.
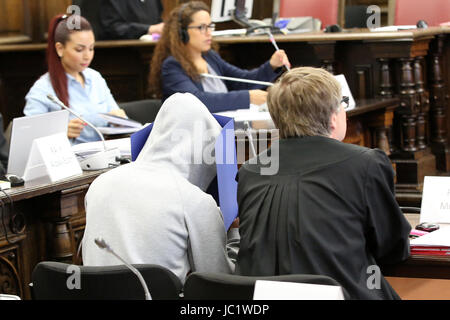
[[408, 110], [439, 97], [422, 103], [413, 159]]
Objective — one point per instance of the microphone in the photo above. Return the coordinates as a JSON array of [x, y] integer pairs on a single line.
[[250, 137], [103, 245], [99, 160], [62, 105], [263, 83]]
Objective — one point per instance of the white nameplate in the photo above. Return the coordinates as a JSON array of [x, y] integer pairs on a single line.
[[435, 200], [51, 156], [346, 91], [278, 290]]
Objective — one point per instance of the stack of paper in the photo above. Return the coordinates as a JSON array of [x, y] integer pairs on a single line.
[[393, 28], [277, 290], [120, 125], [434, 243]]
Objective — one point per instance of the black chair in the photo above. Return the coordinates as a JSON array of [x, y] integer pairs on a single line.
[[143, 111], [90, 9], [356, 16], [50, 282], [218, 286]]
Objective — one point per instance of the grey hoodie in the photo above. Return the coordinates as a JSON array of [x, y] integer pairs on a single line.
[[155, 210]]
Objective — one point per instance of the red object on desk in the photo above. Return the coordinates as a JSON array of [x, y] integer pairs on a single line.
[[430, 250]]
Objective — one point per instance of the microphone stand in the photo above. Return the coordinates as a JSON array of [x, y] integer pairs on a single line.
[[103, 245], [99, 160], [62, 105], [262, 83]]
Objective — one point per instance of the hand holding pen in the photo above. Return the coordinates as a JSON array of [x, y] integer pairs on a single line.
[[279, 58]]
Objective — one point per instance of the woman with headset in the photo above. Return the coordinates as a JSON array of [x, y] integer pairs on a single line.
[[185, 51]]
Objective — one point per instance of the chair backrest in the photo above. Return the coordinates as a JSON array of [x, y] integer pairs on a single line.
[[143, 111], [434, 12], [325, 10], [90, 9], [218, 286], [57, 281], [356, 16]]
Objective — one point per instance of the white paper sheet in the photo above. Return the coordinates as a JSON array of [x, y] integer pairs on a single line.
[[278, 290]]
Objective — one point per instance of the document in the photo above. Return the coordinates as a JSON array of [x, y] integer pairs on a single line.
[[120, 121], [256, 116], [393, 28], [433, 243], [277, 290], [118, 130]]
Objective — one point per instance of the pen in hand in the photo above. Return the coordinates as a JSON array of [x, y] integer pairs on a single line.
[[272, 39]]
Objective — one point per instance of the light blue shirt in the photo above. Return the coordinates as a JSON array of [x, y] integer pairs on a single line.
[[88, 102]]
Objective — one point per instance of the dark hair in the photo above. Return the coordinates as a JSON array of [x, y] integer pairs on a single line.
[[60, 31], [171, 44]]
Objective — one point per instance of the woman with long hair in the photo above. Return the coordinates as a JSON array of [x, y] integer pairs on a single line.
[[70, 50], [185, 51]]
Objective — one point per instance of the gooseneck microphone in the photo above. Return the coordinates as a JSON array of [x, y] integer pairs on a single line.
[[62, 105], [247, 129], [263, 83], [103, 245], [99, 160]]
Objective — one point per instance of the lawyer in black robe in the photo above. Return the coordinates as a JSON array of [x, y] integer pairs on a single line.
[[329, 210], [129, 19]]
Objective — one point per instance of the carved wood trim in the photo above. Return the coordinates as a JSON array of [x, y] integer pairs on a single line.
[[10, 281]]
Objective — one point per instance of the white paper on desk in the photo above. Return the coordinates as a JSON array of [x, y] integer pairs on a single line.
[[438, 238], [83, 149], [278, 290], [254, 113], [435, 206], [230, 32], [346, 91], [118, 130], [393, 28]]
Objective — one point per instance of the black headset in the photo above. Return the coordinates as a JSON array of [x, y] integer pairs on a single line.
[[184, 35]]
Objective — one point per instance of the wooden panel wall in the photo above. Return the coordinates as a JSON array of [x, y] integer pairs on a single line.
[[14, 22], [24, 21]]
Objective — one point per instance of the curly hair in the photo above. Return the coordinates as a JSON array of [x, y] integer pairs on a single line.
[[170, 44]]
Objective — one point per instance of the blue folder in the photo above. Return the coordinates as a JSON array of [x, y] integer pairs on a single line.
[[224, 187]]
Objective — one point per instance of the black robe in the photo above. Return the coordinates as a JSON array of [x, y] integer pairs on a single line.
[[129, 19], [330, 210]]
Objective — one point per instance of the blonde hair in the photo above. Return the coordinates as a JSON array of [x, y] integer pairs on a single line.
[[302, 101]]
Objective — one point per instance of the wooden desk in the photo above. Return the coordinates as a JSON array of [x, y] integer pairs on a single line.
[[368, 125], [411, 65], [55, 216], [46, 223]]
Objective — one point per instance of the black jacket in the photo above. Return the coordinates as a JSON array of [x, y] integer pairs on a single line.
[[330, 210], [129, 19]]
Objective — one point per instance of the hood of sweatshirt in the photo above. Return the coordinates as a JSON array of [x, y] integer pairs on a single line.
[[183, 139]]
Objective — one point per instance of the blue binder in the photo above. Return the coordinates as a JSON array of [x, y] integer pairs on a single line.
[[224, 187]]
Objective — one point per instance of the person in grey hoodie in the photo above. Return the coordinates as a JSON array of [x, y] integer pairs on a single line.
[[155, 210]]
